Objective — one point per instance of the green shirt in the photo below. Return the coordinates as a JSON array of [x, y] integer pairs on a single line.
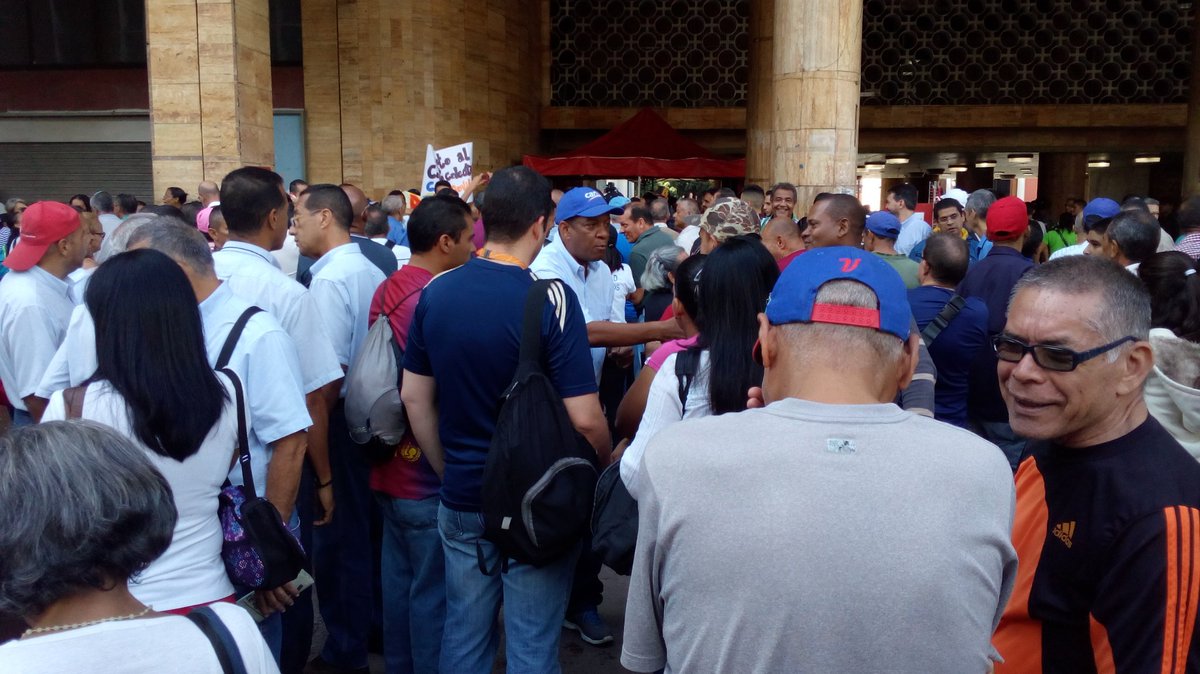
[[650, 240], [906, 267]]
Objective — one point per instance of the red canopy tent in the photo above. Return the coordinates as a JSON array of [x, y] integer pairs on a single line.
[[645, 146]]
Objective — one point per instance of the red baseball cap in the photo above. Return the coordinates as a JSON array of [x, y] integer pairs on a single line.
[[1007, 219], [42, 225]]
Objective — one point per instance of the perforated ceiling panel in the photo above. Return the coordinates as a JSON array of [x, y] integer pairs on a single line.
[[1025, 51], [672, 53], [693, 53]]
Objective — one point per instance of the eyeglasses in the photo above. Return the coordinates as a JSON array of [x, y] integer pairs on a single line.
[[1056, 358]]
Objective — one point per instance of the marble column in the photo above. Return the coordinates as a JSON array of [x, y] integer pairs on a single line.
[[811, 135], [209, 64], [388, 77]]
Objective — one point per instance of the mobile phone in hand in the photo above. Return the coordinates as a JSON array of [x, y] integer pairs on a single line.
[[302, 582]]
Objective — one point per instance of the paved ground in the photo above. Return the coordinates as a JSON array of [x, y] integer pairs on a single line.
[[577, 657]]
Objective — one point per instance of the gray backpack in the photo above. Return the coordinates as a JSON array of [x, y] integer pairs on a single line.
[[373, 408]]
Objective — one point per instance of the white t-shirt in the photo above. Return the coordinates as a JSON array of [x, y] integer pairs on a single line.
[[622, 285], [35, 307], [687, 237], [403, 253], [664, 409], [168, 644], [190, 572]]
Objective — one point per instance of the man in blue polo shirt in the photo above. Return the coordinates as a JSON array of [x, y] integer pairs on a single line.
[[992, 280], [956, 346], [455, 374]]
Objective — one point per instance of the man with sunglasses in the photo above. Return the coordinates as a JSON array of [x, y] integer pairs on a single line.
[[1107, 527]]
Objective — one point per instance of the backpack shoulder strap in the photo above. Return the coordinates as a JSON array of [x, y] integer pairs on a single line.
[[222, 641], [686, 363], [234, 335], [390, 244], [531, 327], [943, 319]]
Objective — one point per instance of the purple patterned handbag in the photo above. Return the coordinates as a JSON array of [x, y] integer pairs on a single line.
[[259, 550]]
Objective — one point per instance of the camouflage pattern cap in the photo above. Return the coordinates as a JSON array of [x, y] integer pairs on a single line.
[[729, 218]]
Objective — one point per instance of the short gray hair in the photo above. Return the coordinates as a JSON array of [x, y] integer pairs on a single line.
[[980, 201], [687, 207], [660, 209], [12, 203], [81, 507], [102, 201], [1123, 305], [394, 202], [171, 237], [118, 241], [1136, 232], [661, 262], [827, 341]]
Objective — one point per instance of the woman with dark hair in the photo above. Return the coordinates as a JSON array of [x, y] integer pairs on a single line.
[[81, 201], [734, 285], [1173, 388], [153, 384], [82, 511], [687, 316]]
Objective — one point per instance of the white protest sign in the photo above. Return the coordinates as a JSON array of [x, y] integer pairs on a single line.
[[452, 164]]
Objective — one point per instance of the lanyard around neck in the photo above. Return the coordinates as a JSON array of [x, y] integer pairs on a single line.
[[499, 257]]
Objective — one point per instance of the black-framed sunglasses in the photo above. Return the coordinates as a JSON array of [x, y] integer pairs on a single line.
[[1057, 358]]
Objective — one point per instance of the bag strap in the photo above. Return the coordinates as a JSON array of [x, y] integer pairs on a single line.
[[73, 399], [234, 335], [943, 319], [222, 641], [243, 438], [686, 362], [531, 330], [390, 244], [404, 299]]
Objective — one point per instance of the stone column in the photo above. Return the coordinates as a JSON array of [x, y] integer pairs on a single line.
[[209, 64], [813, 130], [1061, 176], [760, 101], [407, 74], [1191, 162]]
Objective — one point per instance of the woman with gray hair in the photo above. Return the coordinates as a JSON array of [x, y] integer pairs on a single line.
[[658, 280], [81, 512]]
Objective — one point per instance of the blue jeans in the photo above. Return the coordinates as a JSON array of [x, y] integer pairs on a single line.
[[535, 602], [21, 418], [414, 584], [343, 558]]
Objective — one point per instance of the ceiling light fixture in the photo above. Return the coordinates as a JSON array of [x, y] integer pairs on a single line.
[[874, 166], [957, 168], [1099, 163], [896, 159], [1020, 158], [988, 163], [1147, 159]]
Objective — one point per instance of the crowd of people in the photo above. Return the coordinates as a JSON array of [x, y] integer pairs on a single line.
[[857, 441]]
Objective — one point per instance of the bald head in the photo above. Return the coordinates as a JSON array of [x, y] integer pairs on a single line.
[[781, 236], [359, 202], [208, 192]]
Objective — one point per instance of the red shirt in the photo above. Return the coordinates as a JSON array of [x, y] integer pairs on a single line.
[[408, 475], [784, 261]]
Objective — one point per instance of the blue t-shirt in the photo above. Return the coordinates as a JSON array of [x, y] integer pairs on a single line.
[[466, 334], [954, 350]]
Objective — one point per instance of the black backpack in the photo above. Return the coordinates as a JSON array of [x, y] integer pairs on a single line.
[[614, 510], [540, 473]]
